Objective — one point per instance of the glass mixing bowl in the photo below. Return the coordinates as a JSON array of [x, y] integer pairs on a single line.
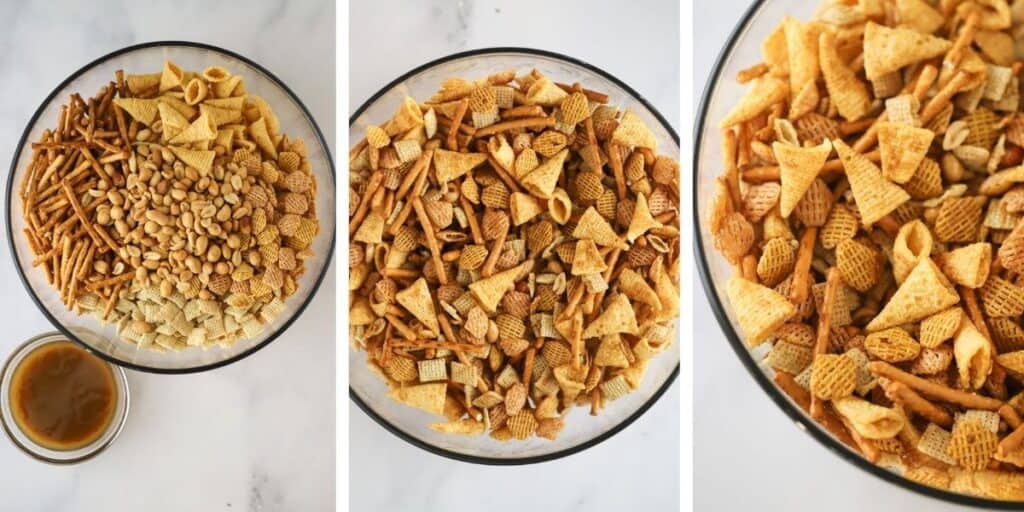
[[296, 121], [581, 431], [720, 94]]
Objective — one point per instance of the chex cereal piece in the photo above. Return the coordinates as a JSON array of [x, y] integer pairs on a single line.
[[833, 376], [789, 357], [857, 264], [776, 262], [892, 345], [972, 444]]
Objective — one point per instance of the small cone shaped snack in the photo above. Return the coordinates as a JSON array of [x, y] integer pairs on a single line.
[[618, 317], [586, 259], [261, 135], [924, 292], [847, 92], [592, 226], [221, 116], [766, 91], [642, 219], [903, 147], [542, 181], [875, 196], [968, 265], [759, 310], [973, 355], [407, 117], [632, 132], [416, 299], [802, 49], [610, 352], [524, 207], [798, 168], [545, 92], [489, 292], [143, 111], [636, 288], [426, 397], [869, 420], [171, 77], [200, 130], [889, 49], [449, 165], [919, 15], [138, 84], [912, 244], [201, 160]]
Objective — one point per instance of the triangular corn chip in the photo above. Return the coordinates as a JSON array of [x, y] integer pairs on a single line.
[[802, 48], [875, 197], [642, 219], [586, 259], [759, 310], [610, 352], [524, 207], [765, 92], [407, 117], [490, 290], [417, 300], [869, 420], [227, 88], [221, 116], [541, 181], [235, 103], [968, 265], [171, 77], [178, 104], [143, 111], [225, 139], [449, 165], [636, 288], [273, 125], [632, 132], [202, 129], [846, 91], [913, 242], [261, 136], [973, 354], [925, 292], [592, 226], [171, 118], [140, 83], [920, 16], [1013, 362], [426, 397], [890, 49], [618, 317], [200, 160], [371, 231], [798, 168], [544, 92], [774, 52], [667, 290], [902, 148]]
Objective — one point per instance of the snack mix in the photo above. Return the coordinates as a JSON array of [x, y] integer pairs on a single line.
[[171, 205], [871, 205], [514, 249]]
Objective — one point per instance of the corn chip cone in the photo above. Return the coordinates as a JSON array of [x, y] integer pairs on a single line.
[[610, 352], [759, 310], [371, 231], [636, 288], [543, 179], [774, 51], [407, 117], [874, 195], [632, 132], [143, 111], [201, 160], [869, 420], [178, 104], [200, 130], [592, 226], [618, 317], [545, 92], [968, 265], [426, 397], [903, 148], [489, 291], [973, 354], [798, 168], [802, 49], [219, 115], [1013, 362], [235, 103], [913, 243], [417, 300], [449, 165], [261, 136], [642, 219], [140, 83], [586, 259], [524, 207], [890, 49], [668, 293], [925, 292], [920, 16], [765, 92], [171, 77], [848, 93]]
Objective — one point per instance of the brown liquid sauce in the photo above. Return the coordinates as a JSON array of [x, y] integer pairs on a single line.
[[63, 397]]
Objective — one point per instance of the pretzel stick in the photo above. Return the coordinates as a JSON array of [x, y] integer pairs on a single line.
[[515, 124], [867, 448], [730, 147], [935, 391], [531, 354], [788, 384], [574, 301], [824, 329], [428, 233], [103, 283], [591, 95], [615, 160], [451, 142], [909, 399], [800, 286], [492, 257], [403, 215], [474, 226], [1010, 416], [523, 111], [411, 177], [364, 204], [943, 97]]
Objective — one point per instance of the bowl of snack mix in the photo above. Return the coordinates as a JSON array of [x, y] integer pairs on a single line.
[[170, 206], [856, 197], [513, 256]]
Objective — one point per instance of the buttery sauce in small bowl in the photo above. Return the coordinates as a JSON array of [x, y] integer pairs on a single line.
[[60, 403]]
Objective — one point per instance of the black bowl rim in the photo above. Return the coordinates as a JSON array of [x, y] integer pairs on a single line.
[[10, 206], [739, 347], [494, 461]]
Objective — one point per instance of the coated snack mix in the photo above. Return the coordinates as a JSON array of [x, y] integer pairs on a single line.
[[171, 205], [871, 203], [513, 253]]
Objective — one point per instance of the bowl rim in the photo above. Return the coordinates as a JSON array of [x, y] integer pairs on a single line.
[[10, 205], [495, 461], [739, 347]]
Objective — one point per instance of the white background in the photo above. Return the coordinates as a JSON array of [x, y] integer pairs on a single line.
[[638, 469], [746, 451], [257, 435]]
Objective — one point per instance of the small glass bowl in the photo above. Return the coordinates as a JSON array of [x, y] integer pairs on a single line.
[[581, 432], [42, 453], [296, 121], [720, 94]]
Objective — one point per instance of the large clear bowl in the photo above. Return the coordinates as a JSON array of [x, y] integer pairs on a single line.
[[296, 122], [581, 430], [721, 92]]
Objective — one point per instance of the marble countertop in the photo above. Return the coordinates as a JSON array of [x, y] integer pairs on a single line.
[[388, 474], [254, 436], [728, 448]]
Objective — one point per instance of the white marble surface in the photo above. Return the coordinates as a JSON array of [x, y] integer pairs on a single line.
[[638, 469], [746, 451], [254, 436]]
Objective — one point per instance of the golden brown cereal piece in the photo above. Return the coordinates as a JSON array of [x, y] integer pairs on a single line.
[[972, 445], [402, 369], [776, 262], [892, 345], [522, 425], [841, 225], [833, 376], [903, 148], [575, 108], [814, 207], [1002, 298], [940, 327], [857, 264], [958, 219], [933, 361]]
